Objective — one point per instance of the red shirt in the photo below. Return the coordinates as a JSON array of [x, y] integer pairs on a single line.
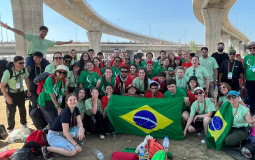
[[97, 71], [104, 101], [163, 87], [124, 65], [192, 96], [148, 94], [187, 65], [101, 64], [136, 75], [118, 85]]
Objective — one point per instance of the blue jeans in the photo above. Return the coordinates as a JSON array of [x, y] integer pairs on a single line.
[[250, 86], [31, 63], [56, 139]]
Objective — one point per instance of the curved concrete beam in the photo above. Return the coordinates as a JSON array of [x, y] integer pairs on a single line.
[[80, 12], [227, 27]]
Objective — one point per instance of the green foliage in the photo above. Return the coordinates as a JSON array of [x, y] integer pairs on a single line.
[[193, 46]]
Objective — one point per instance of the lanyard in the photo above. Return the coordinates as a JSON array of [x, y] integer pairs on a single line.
[[75, 77], [40, 70], [233, 67], [236, 111], [204, 105], [17, 77], [73, 118]]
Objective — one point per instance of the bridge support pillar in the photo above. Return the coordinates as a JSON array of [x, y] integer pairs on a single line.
[[225, 39], [235, 44], [213, 23], [241, 48], [27, 17], [94, 40]]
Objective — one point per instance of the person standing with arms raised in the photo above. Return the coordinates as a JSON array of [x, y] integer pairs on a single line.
[[36, 43]]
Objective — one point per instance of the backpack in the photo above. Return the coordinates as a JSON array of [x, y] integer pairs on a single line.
[[3, 132], [3, 64], [23, 154], [153, 146], [38, 136], [40, 80]]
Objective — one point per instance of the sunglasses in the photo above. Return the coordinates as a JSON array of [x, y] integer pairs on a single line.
[[197, 93], [127, 58], [222, 87], [64, 73], [232, 96], [232, 54], [58, 58], [170, 69], [117, 61], [67, 61], [252, 48], [123, 71], [21, 63]]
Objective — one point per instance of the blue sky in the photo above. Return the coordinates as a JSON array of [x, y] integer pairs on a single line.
[[170, 20]]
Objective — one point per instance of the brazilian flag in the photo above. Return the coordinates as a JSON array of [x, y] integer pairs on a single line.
[[158, 117], [220, 126]]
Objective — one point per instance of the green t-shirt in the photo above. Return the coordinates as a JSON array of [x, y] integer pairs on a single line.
[[115, 71], [168, 77], [88, 80], [200, 73], [224, 99], [153, 74], [210, 64], [81, 106], [38, 44], [140, 84], [73, 61], [202, 108], [49, 88], [102, 86], [155, 64], [239, 116], [249, 62], [88, 105], [179, 93], [160, 69], [51, 68], [182, 83], [16, 82], [73, 80]]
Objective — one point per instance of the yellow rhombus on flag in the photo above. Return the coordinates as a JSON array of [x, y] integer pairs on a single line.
[[216, 128], [153, 122]]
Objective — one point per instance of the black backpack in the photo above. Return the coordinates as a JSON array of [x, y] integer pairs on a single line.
[[23, 154], [3, 64]]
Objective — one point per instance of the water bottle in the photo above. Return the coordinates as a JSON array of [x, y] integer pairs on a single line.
[[99, 155], [166, 143], [141, 154]]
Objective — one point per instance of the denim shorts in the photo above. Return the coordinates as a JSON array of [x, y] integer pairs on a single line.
[[56, 139]]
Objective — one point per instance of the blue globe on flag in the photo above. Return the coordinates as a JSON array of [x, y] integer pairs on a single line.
[[145, 119], [216, 124]]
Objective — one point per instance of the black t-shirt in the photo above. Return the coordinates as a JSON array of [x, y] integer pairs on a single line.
[[220, 58], [65, 117], [236, 71]]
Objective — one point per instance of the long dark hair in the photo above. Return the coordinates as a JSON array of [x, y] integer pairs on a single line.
[[163, 63], [145, 81], [81, 61], [85, 98], [137, 56], [98, 60]]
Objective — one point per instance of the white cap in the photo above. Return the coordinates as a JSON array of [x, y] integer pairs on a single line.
[[63, 67], [199, 88]]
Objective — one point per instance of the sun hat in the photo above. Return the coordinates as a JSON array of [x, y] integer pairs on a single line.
[[63, 67], [251, 44], [198, 88]]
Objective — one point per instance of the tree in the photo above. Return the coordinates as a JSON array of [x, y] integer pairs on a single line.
[[193, 46]]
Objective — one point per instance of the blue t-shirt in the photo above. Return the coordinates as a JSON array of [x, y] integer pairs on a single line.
[[65, 117]]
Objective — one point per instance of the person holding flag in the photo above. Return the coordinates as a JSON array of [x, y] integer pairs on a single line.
[[200, 113]]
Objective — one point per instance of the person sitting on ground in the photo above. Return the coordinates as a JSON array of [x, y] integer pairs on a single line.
[[94, 115], [142, 81], [73, 78], [57, 60], [132, 91], [170, 73], [122, 81], [133, 74], [164, 66], [181, 79], [153, 92], [66, 133], [104, 101], [224, 88], [67, 61], [13, 91], [200, 113], [174, 92], [36, 43], [161, 80], [82, 97], [104, 80], [241, 119], [50, 99]]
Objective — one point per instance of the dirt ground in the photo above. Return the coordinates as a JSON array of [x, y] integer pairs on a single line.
[[188, 149]]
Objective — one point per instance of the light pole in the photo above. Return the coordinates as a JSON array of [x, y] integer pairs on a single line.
[[1, 30], [76, 34]]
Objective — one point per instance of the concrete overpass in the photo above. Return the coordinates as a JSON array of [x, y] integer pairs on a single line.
[[28, 17], [214, 15]]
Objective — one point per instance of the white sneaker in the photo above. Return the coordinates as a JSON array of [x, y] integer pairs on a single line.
[[102, 136]]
